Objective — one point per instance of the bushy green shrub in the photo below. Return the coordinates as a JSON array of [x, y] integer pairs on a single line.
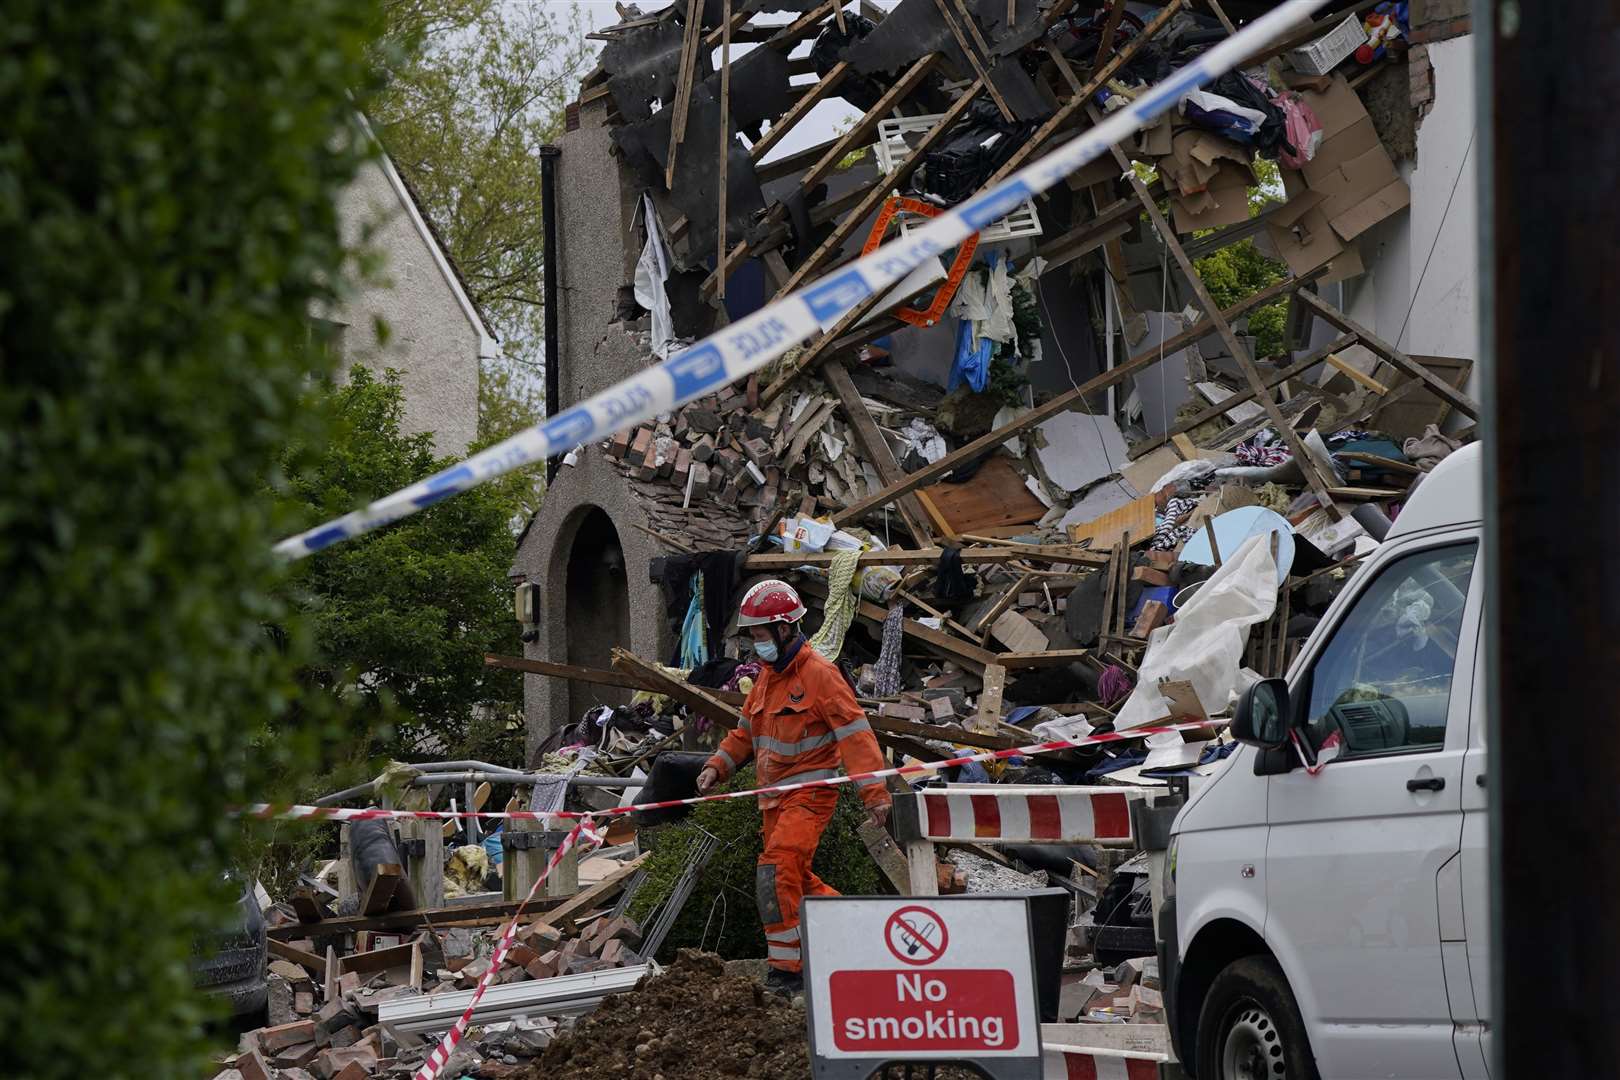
[[168, 174], [720, 915]]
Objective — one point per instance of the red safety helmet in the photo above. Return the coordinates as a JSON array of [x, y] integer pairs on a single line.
[[769, 602]]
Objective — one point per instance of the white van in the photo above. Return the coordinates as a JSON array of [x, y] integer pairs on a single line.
[[1333, 921]]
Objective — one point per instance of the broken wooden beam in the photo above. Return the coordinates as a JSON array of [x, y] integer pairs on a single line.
[[693, 697], [1383, 349], [1056, 553]]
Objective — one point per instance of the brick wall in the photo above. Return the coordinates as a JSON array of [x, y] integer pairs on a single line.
[[1437, 20]]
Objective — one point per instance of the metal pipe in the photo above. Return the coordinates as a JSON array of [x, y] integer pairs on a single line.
[[1549, 281], [462, 766], [526, 779], [548, 220]]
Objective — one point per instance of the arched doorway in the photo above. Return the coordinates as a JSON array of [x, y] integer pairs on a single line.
[[598, 609]]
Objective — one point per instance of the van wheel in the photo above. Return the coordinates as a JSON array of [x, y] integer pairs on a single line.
[[1250, 1027]]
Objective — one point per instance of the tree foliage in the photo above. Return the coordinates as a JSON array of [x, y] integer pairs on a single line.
[[481, 88], [1238, 271], [168, 175], [403, 617]]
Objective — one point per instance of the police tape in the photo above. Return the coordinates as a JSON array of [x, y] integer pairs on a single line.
[[268, 811], [749, 344], [440, 1056]]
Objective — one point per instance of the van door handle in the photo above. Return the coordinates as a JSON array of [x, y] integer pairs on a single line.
[[1427, 783]]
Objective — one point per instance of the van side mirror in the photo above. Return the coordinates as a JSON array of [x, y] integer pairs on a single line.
[[1262, 715]]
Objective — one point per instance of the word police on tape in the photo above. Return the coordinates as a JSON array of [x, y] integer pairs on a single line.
[[891, 980]]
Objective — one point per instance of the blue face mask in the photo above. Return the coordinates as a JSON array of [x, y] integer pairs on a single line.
[[766, 651]]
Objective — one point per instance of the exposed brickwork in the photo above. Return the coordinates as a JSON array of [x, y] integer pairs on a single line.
[[1441, 31], [1420, 73]]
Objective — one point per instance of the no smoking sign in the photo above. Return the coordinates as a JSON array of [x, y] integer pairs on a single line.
[[953, 980]]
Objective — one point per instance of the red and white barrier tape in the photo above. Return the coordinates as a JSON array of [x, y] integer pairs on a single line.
[[340, 813], [441, 1054]]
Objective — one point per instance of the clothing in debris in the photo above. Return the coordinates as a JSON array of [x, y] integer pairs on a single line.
[[693, 643], [798, 723], [1113, 685], [715, 674], [1429, 449], [841, 605], [1169, 532], [886, 672], [720, 580], [952, 586]]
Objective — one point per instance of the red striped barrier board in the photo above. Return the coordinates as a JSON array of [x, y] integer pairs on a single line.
[[1028, 814], [1063, 1064]]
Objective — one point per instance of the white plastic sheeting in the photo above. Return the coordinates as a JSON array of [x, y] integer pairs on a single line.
[[1204, 646]]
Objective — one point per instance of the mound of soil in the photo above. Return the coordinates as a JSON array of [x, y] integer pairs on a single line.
[[693, 1022]]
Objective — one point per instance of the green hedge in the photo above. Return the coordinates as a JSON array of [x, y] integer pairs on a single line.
[[721, 915], [167, 181]]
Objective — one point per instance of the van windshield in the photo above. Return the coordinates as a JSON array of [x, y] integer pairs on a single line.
[[1384, 680]]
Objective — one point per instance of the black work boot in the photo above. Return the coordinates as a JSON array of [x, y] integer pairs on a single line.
[[786, 983]]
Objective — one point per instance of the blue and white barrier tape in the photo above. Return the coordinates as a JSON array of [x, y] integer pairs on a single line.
[[751, 343]]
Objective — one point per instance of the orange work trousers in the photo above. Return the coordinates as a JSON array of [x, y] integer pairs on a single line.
[[792, 830]]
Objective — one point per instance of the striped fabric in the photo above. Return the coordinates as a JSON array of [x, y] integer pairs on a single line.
[[1073, 815]]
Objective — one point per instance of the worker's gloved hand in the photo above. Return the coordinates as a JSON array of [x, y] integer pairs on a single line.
[[706, 780], [879, 815]]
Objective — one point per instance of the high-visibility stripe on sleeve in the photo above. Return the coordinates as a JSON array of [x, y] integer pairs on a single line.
[[793, 749], [782, 952], [746, 724], [867, 781], [854, 727], [790, 936], [731, 762]]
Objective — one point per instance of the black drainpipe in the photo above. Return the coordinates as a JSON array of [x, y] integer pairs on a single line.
[[548, 216]]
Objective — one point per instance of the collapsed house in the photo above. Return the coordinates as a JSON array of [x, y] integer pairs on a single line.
[[1037, 384], [1028, 494]]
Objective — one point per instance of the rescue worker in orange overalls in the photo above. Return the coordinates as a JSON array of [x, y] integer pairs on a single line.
[[798, 721]]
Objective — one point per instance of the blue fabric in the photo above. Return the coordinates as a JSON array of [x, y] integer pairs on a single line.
[[972, 773], [972, 365], [1022, 713], [694, 631], [1109, 765], [492, 848]]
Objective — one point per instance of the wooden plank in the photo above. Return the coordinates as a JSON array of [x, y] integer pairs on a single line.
[[683, 87], [1371, 342], [971, 556], [1050, 658], [974, 61], [922, 868], [725, 140], [874, 447], [988, 715], [1203, 416], [982, 623], [813, 97], [593, 676], [379, 894], [1105, 43], [448, 915], [894, 725], [1134, 517], [894, 180], [1234, 347], [994, 498], [282, 950], [861, 132], [965, 653], [1064, 402], [694, 697], [1355, 374], [890, 860], [375, 960], [581, 903]]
